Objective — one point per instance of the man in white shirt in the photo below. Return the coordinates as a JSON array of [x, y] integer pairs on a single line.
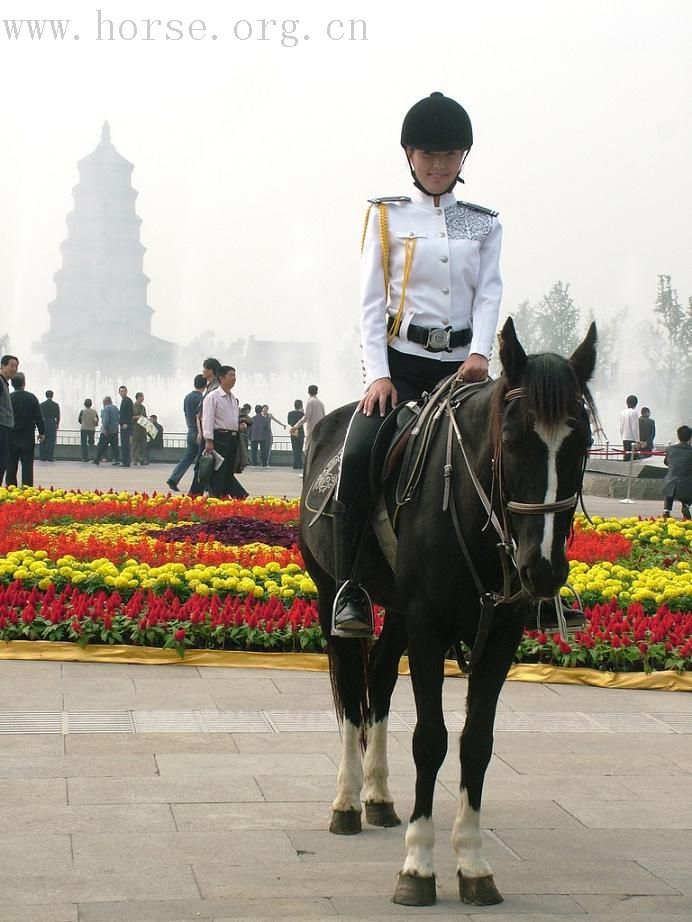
[[629, 427], [220, 425]]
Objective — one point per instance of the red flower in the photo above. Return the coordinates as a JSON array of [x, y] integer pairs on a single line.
[[179, 635]]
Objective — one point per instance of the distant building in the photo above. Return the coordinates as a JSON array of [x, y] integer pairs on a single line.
[[264, 356], [100, 320]]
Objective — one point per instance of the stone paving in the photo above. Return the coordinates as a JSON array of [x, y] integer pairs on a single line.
[[588, 803], [173, 794]]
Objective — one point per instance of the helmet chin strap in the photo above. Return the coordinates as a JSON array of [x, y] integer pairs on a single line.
[[419, 185]]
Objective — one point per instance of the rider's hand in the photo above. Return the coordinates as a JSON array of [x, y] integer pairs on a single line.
[[475, 368], [380, 392]]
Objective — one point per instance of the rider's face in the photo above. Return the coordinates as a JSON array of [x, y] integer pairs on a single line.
[[436, 170]]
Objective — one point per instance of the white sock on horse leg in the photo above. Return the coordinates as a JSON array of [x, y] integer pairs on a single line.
[[420, 840], [350, 777], [375, 765], [467, 840]]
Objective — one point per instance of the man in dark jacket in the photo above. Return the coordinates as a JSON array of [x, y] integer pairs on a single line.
[[678, 481], [647, 433], [8, 368], [127, 411], [50, 411], [192, 405], [27, 419]]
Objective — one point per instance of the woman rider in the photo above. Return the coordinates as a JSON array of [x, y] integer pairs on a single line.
[[431, 292]]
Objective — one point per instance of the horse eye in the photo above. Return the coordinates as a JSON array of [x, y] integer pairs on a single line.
[[571, 422]]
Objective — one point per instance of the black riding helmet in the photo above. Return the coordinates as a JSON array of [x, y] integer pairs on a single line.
[[436, 123]]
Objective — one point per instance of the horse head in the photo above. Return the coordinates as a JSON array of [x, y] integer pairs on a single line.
[[542, 441]]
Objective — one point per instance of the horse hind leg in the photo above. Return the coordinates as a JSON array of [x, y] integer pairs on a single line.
[[383, 671], [347, 667], [346, 809]]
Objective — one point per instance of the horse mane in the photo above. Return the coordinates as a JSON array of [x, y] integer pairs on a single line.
[[551, 389]]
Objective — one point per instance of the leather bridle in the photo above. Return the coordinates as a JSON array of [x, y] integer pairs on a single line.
[[490, 600], [562, 505]]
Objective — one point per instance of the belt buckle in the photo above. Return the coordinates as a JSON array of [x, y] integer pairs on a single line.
[[438, 340]]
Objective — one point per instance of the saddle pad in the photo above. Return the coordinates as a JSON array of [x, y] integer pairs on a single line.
[[323, 486]]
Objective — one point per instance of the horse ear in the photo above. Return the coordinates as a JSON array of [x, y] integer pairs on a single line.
[[512, 355], [583, 358]]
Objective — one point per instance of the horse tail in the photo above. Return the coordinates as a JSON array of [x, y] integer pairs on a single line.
[[348, 673]]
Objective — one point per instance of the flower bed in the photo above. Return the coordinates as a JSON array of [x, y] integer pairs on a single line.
[[176, 572]]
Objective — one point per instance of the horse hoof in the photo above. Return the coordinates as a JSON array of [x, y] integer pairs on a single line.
[[415, 891], [381, 814], [345, 822], [478, 891]]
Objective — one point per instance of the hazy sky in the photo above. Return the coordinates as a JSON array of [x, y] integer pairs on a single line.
[[254, 159]]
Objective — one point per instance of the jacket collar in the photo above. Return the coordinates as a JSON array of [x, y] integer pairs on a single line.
[[426, 201]]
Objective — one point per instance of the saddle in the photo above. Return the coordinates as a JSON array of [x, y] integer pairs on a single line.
[[388, 448], [397, 458]]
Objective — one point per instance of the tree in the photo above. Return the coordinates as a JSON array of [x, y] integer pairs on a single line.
[[607, 345], [526, 327], [672, 319], [552, 325], [667, 347], [558, 321]]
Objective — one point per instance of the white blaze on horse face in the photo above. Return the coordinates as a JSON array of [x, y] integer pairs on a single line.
[[420, 840], [553, 439], [467, 840], [375, 767], [350, 778]]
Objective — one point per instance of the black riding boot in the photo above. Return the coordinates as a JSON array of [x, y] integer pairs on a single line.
[[352, 614]]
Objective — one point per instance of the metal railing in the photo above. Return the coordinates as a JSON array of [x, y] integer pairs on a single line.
[[170, 439]]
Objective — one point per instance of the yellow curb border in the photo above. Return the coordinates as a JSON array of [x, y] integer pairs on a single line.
[[48, 651]]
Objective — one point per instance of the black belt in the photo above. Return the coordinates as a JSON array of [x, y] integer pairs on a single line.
[[226, 431], [435, 339]]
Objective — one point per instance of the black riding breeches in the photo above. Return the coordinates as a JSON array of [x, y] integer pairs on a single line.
[[411, 375]]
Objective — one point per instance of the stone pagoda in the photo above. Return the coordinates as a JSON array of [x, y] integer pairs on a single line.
[[100, 320]]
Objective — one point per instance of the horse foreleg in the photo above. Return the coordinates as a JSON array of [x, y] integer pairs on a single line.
[[416, 886], [476, 883], [383, 670]]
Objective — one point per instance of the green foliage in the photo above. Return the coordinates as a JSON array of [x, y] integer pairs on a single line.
[[552, 325], [668, 348]]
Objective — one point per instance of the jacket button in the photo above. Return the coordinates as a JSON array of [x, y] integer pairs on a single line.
[[442, 234], [445, 291], [438, 211], [444, 259]]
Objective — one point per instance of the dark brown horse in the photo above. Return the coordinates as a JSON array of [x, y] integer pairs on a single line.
[[480, 538]]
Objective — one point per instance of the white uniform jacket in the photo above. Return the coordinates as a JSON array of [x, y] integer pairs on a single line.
[[454, 282]]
